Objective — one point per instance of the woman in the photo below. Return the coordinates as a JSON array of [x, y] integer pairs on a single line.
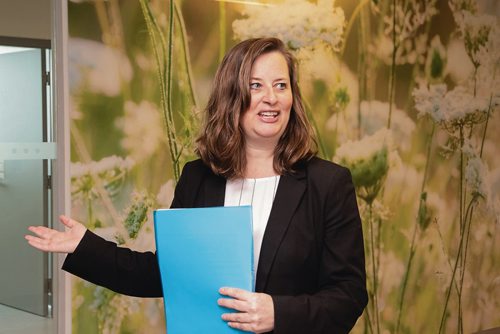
[[256, 148]]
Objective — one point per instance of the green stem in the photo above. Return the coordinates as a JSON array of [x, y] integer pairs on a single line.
[[374, 269], [362, 42], [185, 46], [467, 238], [90, 213], [407, 274], [462, 227], [392, 78], [164, 76], [460, 192], [448, 291], [413, 244], [487, 118], [460, 247], [170, 46]]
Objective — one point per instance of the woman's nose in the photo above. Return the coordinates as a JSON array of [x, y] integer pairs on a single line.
[[270, 96]]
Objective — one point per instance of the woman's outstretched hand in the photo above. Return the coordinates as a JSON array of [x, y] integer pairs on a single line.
[[256, 310], [49, 240]]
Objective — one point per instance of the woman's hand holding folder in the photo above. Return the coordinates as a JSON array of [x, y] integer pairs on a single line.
[[255, 310]]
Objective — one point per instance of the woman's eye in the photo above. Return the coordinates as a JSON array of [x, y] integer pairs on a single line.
[[255, 85], [281, 85]]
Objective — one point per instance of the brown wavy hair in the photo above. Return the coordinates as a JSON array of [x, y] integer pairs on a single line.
[[221, 144]]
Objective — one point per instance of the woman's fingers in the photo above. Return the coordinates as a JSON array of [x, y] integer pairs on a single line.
[[38, 243], [235, 293], [67, 221], [42, 231], [237, 317], [50, 240], [233, 304]]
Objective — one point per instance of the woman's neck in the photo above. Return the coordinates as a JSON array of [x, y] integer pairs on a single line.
[[259, 162]]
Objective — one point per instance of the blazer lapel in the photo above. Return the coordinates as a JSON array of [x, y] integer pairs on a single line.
[[214, 190], [288, 196]]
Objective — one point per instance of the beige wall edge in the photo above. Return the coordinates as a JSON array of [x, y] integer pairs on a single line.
[[26, 19]]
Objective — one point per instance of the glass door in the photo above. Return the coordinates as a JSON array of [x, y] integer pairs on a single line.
[[26, 151]]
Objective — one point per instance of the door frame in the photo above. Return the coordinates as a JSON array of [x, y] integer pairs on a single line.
[[61, 180]]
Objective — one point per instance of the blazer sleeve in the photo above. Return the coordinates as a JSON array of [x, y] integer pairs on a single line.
[[120, 269], [342, 295]]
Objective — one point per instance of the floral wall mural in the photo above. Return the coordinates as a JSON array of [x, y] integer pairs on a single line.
[[405, 93]]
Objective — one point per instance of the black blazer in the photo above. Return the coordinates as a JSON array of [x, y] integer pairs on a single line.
[[312, 256]]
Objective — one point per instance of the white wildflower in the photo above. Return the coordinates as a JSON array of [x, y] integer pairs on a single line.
[[298, 23], [110, 171], [321, 63], [410, 44], [104, 165], [412, 50], [100, 67], [376, 211], [470, 148], [476, 175], [480, 180], [449, 108], [364, 149], [367, 160], [480, 34], [142, 126]]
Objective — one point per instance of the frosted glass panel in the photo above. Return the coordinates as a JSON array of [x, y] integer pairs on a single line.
[[23, 192]]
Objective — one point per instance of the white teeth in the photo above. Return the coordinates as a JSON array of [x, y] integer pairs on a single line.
[[268, 113]]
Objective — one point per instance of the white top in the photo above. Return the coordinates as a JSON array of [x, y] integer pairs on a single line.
[[259, 193]]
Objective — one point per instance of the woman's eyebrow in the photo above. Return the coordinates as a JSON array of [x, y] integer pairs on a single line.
[[278, 79]]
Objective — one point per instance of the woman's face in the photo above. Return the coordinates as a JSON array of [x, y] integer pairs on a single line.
[[271, 101]]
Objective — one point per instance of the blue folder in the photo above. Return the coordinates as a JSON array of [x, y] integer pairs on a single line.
[[199, 251]]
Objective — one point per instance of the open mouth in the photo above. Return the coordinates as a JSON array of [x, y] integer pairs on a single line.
[[269, 114]]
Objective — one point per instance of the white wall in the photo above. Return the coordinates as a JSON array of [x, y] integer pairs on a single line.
[[26, 18]]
